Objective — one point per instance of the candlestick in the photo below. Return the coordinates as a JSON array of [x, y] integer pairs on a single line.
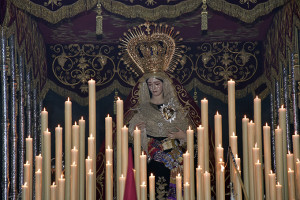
[[200, 140], [186, 191], [186, 167], [108, 131], [68, 139], [267, 157], [282, 125], [61, 188], [74, 181], [124, 146], [151, 187], [120, 113], [251, 134], [245, 122], [109, 181], [81, 165], [190, 148], [90, 186], [29, 157], [47, 164], [179, 187], [272, 185], [204, 122], [206, 184], [137, 153], [53, 191], [58, 152], [38, 184]]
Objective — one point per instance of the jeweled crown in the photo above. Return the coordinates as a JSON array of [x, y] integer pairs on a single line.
[[150, 47]]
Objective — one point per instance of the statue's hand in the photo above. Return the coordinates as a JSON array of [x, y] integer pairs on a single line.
[[179, 134]]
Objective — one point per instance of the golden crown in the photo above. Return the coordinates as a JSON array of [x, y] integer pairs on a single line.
[[150, 47]]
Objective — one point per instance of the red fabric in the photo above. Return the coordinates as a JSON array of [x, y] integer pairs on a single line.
[[130, 192]]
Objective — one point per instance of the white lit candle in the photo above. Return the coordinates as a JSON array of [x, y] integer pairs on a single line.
[[68, 140], [29, 157], [25, 192], [47, 164], [151, 187], [74, 182], [90, 186], [38, 184], [279, 192], [61, 188], [206, 184], [109, 181], [291, 184], [53, 191], [204, 122], [279, 155], [108, 131], [199, 183], [245, 122], [124, 147], [143, 168], [186, 167], [58, 152], [137, 153], [267, 157], [143, 190], [257, 121], [272, 185], [218, 129], [231, 107], [178, 187], [122, 180], [81, 163], [119, 117], [190, 148], [186, 191], [251, 135], [200, 140]]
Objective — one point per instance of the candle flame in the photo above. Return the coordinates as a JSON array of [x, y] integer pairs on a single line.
[[27, 162], [68, 98], [47, 130], [245, 116], [119, 99], [204, 99], [278, 127], [233, 133], [257, 161], [199, 166], [88, 157], [53, 183], [236, 156], [108, 147], [151, 174], [90, 171], [251, 121], [255, 145], [220, 160], [44, 109], [290, 169], [91, 135], [220, 146], [256, 97], [217, 113], [266, 123], [25, 184], [81, 117], [282, 106], [74, 148], [206, 172], [136, 128], [189, 128], [28, 136], [108, 162], [296, 132], [122, 176], [62, 176], [124, 126], [289, 152], [75, 123], [39, 170], [231, 79], [178, 175], [278, 183], [297, 159], [142, 153], [74, 163], [200, 126], [40, 155], [143, 183], [187, 152], [222, 168], [107, 115], [58, 126]]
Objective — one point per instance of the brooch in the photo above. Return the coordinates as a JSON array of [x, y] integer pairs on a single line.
[[168, 111]]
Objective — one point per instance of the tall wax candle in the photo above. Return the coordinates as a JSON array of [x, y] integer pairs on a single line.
[[109, 181], [29, 157], [296, 146], [38, 162], [233, 144], [92, 155], [25, 192], [122, 180], [291, 184], [267, 157], [137, 153], [44, 126], [120, 113], [272, 186], [190, 148], [204, 122], [90, 186], [178, 187], [251, 135], [38, 184], [74, 181], [199, 184], [186, 167], [231, 107], [257, 121], [298, 178], [61, 188], [109, 155], [186, 191], [68, 139], [47, 165], [245, 122], [88, 165], [258, 183], [206, 184], [53, 191], [279, 192], [74, 155], [151, 187], [108, 131], [124, 147], [200, 140], [218, 129], [143, 169], [75, 135], [81, 163], [143, 189], [58, 152], [92, 120], [279, 156], [290, 160], [282, 125], [222, 183]]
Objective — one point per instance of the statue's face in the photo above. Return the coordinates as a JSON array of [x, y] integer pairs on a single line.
[[155, 86]]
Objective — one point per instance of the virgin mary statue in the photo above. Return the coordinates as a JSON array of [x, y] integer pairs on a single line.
[[158, 104]]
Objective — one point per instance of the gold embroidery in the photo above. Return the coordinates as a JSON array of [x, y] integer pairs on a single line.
[[161, 188]]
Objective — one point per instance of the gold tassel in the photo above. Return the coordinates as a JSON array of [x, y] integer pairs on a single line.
[[99, 18], [204, 16]]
